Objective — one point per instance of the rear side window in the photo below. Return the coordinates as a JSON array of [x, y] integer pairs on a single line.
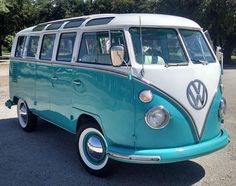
[[47, 47], [32, 46], [20, 46], [66, 46]]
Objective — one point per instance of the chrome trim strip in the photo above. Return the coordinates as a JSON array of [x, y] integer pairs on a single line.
[[124, 71], [134, 158]]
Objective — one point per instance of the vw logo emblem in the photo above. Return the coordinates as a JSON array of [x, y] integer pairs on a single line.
[[197, 94]]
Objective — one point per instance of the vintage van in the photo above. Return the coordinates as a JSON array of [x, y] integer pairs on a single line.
[[136, 88]]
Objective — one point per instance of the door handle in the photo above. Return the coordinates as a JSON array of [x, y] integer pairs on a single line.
[[77, 82], [54, 78]]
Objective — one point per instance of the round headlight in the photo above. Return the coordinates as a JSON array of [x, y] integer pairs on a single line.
[[157, 117]]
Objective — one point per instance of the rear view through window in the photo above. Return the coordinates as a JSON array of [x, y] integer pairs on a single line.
[[32, 46], [20, 46], [47, 47], [66, 47]]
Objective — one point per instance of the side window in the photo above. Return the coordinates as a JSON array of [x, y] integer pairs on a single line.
[[32, 46], [95, 48], [66, 46], [117, 38], [47, 47], [20, 46]]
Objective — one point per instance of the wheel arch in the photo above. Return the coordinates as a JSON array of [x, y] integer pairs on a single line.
[[15, 100], [86, 118]]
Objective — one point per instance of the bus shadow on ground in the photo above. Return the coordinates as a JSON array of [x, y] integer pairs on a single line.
[[48, 156]]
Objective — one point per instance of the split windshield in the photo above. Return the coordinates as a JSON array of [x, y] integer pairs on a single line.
[[157, 46], [197, 47], [162, 46]]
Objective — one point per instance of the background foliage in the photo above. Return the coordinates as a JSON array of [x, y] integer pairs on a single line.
[[217, 16]]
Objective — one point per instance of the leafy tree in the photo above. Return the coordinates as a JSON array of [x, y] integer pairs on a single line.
[[17, 15], [218, 16]]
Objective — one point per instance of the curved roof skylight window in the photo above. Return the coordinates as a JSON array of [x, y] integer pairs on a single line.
[[40, 27], [55, 26], [74, 23], [99, 21]]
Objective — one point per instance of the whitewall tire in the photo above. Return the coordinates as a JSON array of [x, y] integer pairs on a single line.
[[26, 118], [92, 148]]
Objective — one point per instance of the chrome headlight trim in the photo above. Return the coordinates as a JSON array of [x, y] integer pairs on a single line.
[[165, 112], [221, 87], [222, 108]]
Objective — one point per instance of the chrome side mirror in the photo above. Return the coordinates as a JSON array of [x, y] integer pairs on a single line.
[[117, 55], [219, 54], [220, 57]]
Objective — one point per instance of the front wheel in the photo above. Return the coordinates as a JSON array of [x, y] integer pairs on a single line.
[[26, 118], [92, 150]]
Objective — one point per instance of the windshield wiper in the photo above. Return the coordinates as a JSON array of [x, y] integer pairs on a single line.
[[199, 61]]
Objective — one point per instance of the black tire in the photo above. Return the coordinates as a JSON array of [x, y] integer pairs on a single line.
[[26, 118], [96, 160]]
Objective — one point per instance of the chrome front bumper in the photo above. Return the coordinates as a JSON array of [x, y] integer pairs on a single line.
[[156, 156]]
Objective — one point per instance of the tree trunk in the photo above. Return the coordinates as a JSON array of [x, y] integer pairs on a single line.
[[227, 55], [230, 44], [0, 49]]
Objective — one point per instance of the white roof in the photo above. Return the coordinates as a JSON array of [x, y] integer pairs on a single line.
[[159, 20]]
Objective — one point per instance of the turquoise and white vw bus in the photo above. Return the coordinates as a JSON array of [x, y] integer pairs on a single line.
[[136, 88]]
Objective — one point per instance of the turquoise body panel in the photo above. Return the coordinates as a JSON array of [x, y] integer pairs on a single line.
[[109, 96], [180, 131], [169, 155], [212, 123], [22, 81], [62, 93]]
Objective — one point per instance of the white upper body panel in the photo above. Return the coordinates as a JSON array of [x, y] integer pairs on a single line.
[[122, 20]]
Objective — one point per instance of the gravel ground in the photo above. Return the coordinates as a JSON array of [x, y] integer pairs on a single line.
[[48, 156]]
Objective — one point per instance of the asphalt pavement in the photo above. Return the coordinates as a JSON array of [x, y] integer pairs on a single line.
[[48, 155]]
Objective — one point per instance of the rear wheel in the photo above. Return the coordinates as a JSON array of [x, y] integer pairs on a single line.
[[92, 150], [26, 118]]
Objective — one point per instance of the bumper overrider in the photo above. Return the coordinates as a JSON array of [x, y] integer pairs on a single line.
[[156, 156]]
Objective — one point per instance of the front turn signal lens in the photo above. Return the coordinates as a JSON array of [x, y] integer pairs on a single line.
[[146, 96]]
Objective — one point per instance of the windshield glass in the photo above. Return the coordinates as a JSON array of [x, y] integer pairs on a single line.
[[157, 46], [196, 46]]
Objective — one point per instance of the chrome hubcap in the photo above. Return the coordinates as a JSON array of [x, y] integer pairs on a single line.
[[23, 115], [95, 148], [92, 148]]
